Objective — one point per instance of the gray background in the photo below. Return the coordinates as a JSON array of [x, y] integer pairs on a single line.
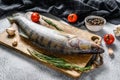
[[14, 66]]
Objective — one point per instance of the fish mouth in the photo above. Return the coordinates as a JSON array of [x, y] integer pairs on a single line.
[[101, 50], [96, 49]]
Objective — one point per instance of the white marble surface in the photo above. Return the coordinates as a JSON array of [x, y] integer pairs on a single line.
[[14, 66]]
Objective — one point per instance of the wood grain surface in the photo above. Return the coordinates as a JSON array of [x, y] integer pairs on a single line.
[[24, 44]]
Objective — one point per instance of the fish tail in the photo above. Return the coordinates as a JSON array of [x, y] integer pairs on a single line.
[[11, 19]]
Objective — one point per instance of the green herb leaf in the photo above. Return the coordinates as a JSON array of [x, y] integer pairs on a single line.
[[52, 24], [58, 62]]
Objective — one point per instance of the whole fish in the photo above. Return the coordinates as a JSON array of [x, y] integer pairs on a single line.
[[55, 40]]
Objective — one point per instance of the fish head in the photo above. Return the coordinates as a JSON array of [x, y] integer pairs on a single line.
[[96, 48], [84, 46]]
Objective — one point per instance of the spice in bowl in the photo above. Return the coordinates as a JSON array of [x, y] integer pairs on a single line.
[[94, 23]]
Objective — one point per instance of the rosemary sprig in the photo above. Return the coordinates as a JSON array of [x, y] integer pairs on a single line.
[[58, 62], [52, 24]]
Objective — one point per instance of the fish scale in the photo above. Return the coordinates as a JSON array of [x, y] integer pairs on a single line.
[[55, 40]]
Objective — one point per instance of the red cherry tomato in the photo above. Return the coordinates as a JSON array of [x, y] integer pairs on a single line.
[[109, 39], [72, 17], [35, 17]]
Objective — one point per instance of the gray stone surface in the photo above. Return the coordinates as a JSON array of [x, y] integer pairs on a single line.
[[14, 66]]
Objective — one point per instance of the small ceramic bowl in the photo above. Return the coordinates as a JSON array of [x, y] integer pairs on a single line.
[[94, 23]]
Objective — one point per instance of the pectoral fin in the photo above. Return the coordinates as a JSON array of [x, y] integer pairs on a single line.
[[23, 34]]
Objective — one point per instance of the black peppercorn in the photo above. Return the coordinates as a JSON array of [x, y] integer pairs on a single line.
[[95, 21]]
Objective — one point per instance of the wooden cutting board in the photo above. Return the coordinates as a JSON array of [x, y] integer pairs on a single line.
[[24, 44]]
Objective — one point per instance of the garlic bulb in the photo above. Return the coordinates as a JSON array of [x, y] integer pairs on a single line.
[[10, 31], [117, 31]]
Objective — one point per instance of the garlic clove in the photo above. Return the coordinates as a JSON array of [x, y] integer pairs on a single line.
[[110, 51], [15, 42]]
